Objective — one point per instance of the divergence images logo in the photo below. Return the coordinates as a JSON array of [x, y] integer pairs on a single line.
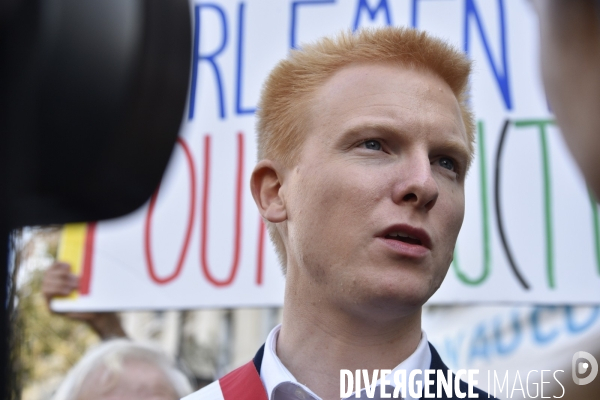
[[582, 363]]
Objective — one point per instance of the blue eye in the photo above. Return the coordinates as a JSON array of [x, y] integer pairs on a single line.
[[447, 163], [372, 145]]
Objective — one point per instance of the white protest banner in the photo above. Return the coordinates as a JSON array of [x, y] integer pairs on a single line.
[[511, 346], [530, 231]]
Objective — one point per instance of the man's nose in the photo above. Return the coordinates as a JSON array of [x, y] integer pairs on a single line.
[[415, 184]]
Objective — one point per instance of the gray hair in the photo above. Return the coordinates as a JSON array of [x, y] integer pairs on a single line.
[[111, 355]]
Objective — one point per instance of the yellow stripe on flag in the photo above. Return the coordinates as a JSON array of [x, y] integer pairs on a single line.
[[72, 247]]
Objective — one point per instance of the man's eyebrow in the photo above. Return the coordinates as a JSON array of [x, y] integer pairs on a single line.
[[456, 147], [374, 126], [448, 144]]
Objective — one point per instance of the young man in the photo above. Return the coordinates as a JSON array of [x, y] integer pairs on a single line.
[[364, 143]]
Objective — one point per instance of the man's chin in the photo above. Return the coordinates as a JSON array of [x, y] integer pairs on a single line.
[[411, 287], [389, 303]]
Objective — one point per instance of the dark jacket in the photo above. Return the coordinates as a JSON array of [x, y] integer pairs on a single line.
[[436, 364]]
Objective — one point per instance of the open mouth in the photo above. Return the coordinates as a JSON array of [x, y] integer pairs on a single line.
[[404, 237]]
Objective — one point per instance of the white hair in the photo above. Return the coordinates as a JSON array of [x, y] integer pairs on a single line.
[[111, 355]]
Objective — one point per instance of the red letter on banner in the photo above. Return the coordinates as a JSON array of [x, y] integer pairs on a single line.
[[238, 213], [186, 242]]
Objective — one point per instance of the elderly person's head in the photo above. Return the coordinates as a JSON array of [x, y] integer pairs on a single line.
[[122, 369]]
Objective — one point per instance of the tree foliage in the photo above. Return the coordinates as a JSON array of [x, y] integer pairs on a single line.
[[45, 345]]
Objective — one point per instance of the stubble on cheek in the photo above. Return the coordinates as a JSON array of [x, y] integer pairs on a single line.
[[444, 267], [324, 219]]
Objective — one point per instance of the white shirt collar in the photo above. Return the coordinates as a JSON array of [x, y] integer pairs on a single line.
[[274, 375]]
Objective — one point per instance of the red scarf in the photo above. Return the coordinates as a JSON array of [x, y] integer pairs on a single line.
[[240, 384]]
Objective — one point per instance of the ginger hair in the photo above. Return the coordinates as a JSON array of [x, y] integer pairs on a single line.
[[286, 97]]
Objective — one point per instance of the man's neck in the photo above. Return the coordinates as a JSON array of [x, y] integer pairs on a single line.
[[315, 342]]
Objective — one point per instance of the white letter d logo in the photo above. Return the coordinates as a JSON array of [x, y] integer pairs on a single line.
[[580, 368]]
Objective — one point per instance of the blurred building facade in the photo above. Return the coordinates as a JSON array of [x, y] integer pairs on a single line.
[[208, 343]]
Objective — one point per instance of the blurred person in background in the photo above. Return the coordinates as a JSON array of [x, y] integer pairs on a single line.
[[570, 64], [60, 281], [120, 369]]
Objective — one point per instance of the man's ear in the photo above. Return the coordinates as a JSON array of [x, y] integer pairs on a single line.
[[265, 184]]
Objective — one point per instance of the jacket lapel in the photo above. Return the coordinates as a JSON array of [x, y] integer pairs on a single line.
[[437, 364]]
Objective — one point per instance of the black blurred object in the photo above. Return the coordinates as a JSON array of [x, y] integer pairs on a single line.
[[92, 95]]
